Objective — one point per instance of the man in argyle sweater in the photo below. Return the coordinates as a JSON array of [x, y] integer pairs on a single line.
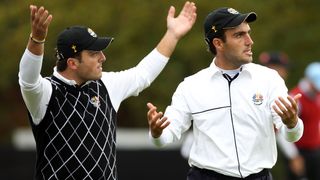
[[73, 112]]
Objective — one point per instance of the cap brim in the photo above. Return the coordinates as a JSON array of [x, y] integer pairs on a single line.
[[100, 44], [248, 17]]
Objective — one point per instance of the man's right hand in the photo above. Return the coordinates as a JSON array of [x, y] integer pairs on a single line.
[[156, 121]]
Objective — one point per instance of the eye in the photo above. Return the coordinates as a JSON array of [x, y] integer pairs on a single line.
[[238, 35], [94, 53]]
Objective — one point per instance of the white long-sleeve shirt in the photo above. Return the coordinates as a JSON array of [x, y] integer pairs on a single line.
[[233, 122], [36, 90]]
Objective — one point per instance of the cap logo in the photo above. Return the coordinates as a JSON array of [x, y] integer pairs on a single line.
[[232, 11], [214, 29], [92, 33], [74, 47]]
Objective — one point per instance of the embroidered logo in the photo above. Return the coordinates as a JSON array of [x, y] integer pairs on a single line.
[[95, 101], [214, 29], [257, 99], [92, 33], [232, 11], [74, 47]]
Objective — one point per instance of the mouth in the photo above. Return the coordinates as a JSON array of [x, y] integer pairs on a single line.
[[248, 52]]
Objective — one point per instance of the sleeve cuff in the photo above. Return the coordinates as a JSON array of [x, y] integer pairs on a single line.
[[33, 56], [160, 56], [156, 141], [294, 134]]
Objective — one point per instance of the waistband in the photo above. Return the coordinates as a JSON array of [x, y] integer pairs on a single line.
[[263, 173]]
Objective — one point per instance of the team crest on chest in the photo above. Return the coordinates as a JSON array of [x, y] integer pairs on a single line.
[[257, 99], [95, 101]]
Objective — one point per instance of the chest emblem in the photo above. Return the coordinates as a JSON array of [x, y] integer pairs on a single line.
[[95, 101], [257, 99]]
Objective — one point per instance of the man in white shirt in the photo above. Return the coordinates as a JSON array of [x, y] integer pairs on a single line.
[[233, 105], [73, 112]]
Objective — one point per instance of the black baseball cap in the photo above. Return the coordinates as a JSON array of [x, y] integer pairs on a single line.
[[225, 18], [75, 39]]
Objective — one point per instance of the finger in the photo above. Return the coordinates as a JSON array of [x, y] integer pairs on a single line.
[[155, 121], [185, 10], [157, 117], [189, 7], [275, 108], [164, 125], [33, 10], [151, 112], [189, 11], [193, 9], [280, 107], [48, 21], [154, 115], [160, 120], [194, 15], [284, 102], [42, 14], [44, 17], [39, 12], [291, 106], [293, 102], [297, 97], [37, 15], [150, 105]]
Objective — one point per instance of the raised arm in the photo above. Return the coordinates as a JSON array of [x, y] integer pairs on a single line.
[[35, 90], [177, 27]]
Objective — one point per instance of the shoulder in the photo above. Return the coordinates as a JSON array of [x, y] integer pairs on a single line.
[[195, 81], [196, 77]]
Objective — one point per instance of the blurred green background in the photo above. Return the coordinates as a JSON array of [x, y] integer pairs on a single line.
[[291, 26]]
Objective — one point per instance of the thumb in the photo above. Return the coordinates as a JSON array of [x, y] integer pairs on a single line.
[[171, 12], [297, 97]]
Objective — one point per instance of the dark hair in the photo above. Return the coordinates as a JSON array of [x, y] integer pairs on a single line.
[[61, 63], [210, 37]]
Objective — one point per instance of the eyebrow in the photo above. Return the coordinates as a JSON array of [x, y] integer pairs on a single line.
[[241, 32]]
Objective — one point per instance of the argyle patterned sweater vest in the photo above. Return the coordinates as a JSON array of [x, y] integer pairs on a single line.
[[77, 137]]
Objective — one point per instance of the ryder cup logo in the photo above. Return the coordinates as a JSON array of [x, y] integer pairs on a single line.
[[257, 99], [95, 101]]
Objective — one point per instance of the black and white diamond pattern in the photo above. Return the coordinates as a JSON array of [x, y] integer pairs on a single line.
[[79, 136]]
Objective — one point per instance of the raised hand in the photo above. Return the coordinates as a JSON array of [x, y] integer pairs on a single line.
[[177, 27], [40, 21], [156, 121], [180, 25], [288, 111]]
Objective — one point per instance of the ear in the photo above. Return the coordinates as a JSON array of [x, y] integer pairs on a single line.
[[72, 63], [217, 43]]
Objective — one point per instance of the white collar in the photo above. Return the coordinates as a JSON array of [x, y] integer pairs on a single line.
[[65, 80]]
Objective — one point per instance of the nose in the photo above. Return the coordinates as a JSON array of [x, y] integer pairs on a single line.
[[249, 40], [103, 57]]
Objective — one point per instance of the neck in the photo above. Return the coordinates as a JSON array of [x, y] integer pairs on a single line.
[[71, 77]]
